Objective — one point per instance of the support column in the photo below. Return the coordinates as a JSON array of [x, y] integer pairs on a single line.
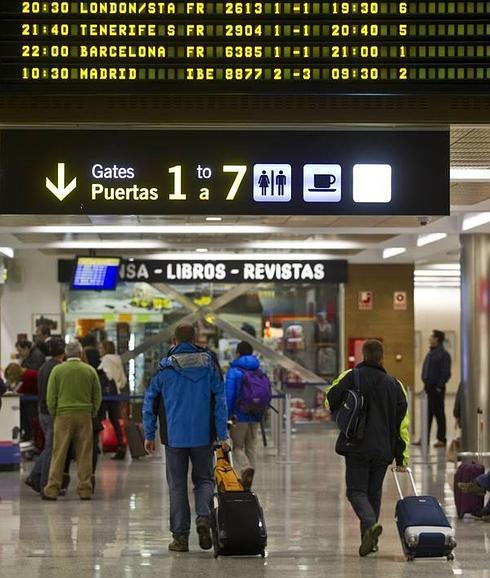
[[475, 338]]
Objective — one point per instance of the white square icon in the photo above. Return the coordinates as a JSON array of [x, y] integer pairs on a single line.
[[272, 183], [322, 183], [371, 183]]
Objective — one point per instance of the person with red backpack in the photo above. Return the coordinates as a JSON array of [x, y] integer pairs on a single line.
[[248, 395]]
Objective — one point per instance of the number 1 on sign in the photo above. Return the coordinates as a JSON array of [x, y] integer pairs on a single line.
[[240, 171], [177, 195]]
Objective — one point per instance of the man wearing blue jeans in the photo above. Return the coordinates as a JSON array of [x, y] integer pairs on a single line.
[[188, 396]]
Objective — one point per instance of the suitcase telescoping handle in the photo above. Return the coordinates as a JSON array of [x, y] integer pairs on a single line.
[[395, 470]]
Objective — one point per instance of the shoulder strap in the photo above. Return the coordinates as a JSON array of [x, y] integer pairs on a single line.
[[357, 380]]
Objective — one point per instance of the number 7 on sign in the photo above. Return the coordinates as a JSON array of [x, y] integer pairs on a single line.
[[240, 171]]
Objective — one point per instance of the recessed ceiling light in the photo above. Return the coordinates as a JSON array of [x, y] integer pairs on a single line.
[[467, 174], [7, 251], [430, 238], [476, 220], [201, 250], [393, 251]]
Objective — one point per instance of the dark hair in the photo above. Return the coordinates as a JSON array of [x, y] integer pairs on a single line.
[[89, 340], [56, 347], [44, 330], [372, 350], [108, 347], [23, 344], [439, 335], [244, 348], [185, 333]]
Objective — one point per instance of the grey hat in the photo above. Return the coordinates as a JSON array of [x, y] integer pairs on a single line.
[[73, 349]]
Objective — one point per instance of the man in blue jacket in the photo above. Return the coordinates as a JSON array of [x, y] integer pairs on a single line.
[[245, 426], [189, 392]]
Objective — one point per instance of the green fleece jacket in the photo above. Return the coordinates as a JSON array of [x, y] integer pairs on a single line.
[[73, 387]]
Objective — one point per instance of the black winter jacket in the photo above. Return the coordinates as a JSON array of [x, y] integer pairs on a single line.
[[436, 370], [385, 415]]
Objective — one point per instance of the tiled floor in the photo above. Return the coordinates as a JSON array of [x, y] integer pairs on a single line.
[[312, 531]]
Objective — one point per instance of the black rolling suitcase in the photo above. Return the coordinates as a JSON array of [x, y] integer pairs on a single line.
[[237, 520]]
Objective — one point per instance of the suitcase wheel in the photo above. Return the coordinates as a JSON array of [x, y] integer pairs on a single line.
[[410, 558], [263, 553], [450, 557]]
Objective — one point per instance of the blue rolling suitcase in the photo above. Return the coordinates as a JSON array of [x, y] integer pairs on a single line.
[[423, 527]]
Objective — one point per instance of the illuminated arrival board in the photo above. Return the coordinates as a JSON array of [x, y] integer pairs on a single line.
[[245, 47], [203, 172]]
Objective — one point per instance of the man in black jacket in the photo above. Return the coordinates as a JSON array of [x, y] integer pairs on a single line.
[[384, 438], [436, 372]]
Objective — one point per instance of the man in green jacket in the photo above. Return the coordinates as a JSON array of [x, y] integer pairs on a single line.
[[73, 398]]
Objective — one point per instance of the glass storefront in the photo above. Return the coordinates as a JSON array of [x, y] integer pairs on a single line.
[[299, 320]]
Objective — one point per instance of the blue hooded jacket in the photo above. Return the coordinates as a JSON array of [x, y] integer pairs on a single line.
[[234, 377], [193, 399]]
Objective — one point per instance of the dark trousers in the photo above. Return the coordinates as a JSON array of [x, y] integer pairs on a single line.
[[202, 475], [111, 409], [364, 480], [436, 409]]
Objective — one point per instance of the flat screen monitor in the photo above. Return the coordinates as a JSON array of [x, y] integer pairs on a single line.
[[96, 273]]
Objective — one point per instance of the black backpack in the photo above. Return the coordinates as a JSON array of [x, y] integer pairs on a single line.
[[348, 416]]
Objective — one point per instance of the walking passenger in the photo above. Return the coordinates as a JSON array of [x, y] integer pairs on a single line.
[[189, 391], [113, 381], [382, 437], [30, 355], [73, 399], [243, 432], [38, 477]]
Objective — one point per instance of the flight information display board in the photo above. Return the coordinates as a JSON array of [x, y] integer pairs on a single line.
[[245, 47]]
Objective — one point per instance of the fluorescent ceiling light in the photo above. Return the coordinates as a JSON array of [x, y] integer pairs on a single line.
[[393, 251], [7, 251], [243, 256], [107, 244], [308, 244], [201, 250], [216, 219], [436, 273], [154, 229], [443, 266], [467, 174], [475, 220], [430, 238]]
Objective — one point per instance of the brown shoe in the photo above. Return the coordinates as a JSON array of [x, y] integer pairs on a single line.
[[180, 543], [440, 444], [471, 488]]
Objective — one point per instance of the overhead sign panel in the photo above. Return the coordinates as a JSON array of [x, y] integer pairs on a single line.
[[225, 172], [256, 46], [152, 271]]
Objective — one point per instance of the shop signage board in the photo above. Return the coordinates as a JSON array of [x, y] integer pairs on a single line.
[[153, 271], [202, 172], [246, 47]]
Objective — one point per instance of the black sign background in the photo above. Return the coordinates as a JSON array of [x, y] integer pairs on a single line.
[[419, 161], [152, 271]]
